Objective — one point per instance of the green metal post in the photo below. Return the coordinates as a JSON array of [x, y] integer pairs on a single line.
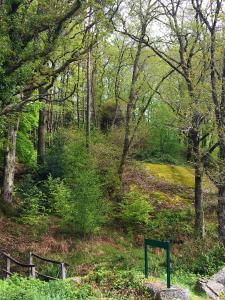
[[168, 265], [146, 259]]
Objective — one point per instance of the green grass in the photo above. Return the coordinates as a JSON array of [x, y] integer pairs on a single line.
[[105, 261]]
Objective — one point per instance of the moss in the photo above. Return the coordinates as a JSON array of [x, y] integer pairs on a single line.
[[179, 175], [163, 198]]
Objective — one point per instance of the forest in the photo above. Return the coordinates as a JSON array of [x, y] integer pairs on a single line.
[[112, 131]]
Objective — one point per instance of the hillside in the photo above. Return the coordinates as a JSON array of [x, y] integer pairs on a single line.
[[112, 250], [112, 140]]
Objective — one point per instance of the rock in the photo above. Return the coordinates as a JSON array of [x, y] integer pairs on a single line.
[[159, 292], [173, 294], [212, 288], [154, 288], [215, 286], [219, 277]]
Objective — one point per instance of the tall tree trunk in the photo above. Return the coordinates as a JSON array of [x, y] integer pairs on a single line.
[[199, 212], [41, 129], [221, 136], [199, 167], [129, 112], [78, 96], [89, 99], [189, 148], [221, 214], [10, 161], [221, 185], [93, 92]]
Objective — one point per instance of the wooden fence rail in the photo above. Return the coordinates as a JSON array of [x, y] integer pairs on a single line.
[[63, 266], [10, 260], [32, 268]]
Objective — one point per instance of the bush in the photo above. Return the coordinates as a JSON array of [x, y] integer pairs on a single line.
[[30, 209], [162, 143], [17, 288], [107, 158], [209, 262], [58, 195], [78, 197], [81, 176], [25, 147], [173, 224], [121, 285], [135, 209]]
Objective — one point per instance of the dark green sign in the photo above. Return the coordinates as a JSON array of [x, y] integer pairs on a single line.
[[162, 245]]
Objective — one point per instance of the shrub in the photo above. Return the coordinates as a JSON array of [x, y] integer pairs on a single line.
[[120, 284], [173, 224], [209, 262], [135, 209], [30, 210], [78, 197], [58, 195], [107, 157], [25, 147], [17, 288], [83, 180]]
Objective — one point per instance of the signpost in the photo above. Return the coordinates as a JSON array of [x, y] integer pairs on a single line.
[[162, 245]]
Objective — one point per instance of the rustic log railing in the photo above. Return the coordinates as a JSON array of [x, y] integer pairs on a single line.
[[31, 267], [10, 260], [63, 266]]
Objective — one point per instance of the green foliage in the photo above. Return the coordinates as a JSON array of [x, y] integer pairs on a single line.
[[110, 113], [107, 158], [120, 284], [81, 206], [55, 156], [135, 209], [162, 142], [17, 288], [83, 180], [170, 224], [26, 152], [31, 209], [209, 262], [58, 195]]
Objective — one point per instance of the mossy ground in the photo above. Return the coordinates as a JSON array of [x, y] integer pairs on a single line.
[[178, 175]]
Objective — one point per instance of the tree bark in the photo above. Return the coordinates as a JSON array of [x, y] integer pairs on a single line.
[[199, 170], [10, 161], [199, 212], [219, 106], [89, 85], [89, 100], [129, 112], [78, 96], [221, 214], [41, 130]]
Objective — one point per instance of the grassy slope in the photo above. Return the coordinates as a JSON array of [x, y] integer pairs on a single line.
[[170, 188]]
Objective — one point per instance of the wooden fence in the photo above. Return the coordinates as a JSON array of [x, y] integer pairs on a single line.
[[31, 269]]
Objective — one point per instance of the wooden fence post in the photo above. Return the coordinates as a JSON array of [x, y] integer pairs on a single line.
[[63, 271], [8, 265], [30, 258], [33, 272]]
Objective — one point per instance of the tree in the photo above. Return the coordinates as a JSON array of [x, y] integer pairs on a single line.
[[143, 14], [210, 16], [181, 48], [10, 159], [41, 128]]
